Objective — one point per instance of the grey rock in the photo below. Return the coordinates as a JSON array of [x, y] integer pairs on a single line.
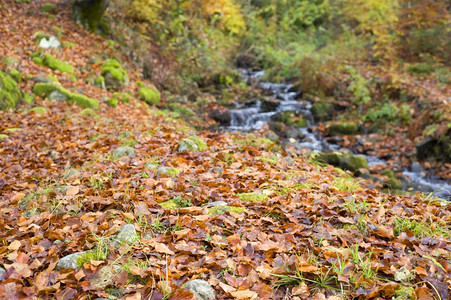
[[127, 235], [41, 79], [124, 151], [151, 166], [57, 96], [69, 261], [201, 289], [187, 145], [216, 203], [115, 84], [50, 42], [2, 271]]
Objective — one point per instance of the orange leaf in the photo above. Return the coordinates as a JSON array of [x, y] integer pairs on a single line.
[[72, 191]]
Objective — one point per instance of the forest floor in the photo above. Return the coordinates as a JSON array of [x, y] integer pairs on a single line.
[[254, 221]]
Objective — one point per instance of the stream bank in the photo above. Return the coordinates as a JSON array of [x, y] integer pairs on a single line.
[[296, 123]]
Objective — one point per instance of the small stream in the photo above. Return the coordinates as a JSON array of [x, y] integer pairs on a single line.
[[253, 117]]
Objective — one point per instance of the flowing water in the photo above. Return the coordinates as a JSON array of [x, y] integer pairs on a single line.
[[253, 117]]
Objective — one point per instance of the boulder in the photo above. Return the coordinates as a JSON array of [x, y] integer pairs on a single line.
[[127, 235], [105, 276], [69, 261], [435, 149], [221, 115], [344, 161], [201, 289], [150, 95], [124, 151], [342, 128], [321, 111], [171, 172], [10, 94], [193, 143], [392, 182], [46, 89], [115, 77], [49, 42], [269, 105]]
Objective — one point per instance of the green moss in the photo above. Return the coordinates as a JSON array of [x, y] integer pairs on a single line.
[[170, 204], [56, 64], [38, 60], [100, 80], [201, 145], [13, 129], [28, 98], [113, 67], [88, 256], [321, 111], [10, 94], [84, 101], [140, 84], [3, 136], [392, 182], [45, 89], [39, 110], [344, 161], [268, 160], [111, 102], [252, 196], [171, 172], [47, 7], [68, 44], [15, 75], [87, 112], [150, 96], [343, 128], [217, 210], [122, 97], [52, 78]]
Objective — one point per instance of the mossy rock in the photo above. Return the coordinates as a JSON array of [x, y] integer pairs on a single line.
[[344, 161], [392, 182], [150, 95], [39, 110], [3, 136], [342, 128], [321, 111], [217, 210], [111, 102], [193, 143], [252, 196], [44, 90], [115, 77], [15, 75], [88, 112], [10, 94], [122, 97], [56, 64], [48, 8], [171, 172]]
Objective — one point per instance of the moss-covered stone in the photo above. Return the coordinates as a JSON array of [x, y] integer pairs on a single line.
[[217, 210], [191, 144], [84, 101], [38, 60], [339, 128], [88, 112], [3, 136], [15, 75], [56, 64], [171, 172], [48, 7], [45, 89], [322, 111], [344, 161], [150, 95], [252, 196], [28, 98], [392, 182], [115, 77], [10, 94], [111, 102], [39, 110], [122, 97]]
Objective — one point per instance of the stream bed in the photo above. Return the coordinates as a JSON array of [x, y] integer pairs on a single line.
[[253, 117]]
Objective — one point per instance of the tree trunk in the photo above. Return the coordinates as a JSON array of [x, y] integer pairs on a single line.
[[90, 15]]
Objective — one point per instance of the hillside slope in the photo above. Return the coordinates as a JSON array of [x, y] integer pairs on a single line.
[[148, 203]]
